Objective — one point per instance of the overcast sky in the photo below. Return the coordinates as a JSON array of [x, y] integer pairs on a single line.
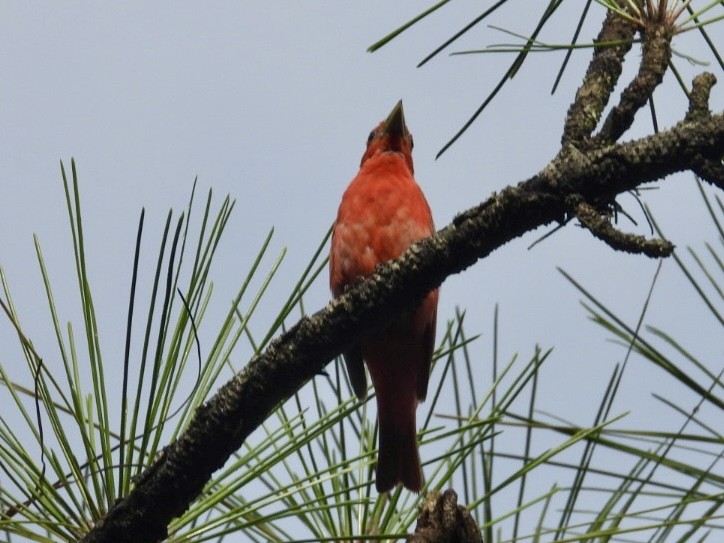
[[271, 102]]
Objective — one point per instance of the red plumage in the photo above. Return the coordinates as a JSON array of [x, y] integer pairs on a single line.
[[384, 211]]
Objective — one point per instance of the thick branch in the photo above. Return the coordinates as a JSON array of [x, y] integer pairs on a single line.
[[221, 425]]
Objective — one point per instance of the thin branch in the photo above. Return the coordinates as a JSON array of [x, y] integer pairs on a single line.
[[600, 79], [699, 96], [601, 227], [656, 54]]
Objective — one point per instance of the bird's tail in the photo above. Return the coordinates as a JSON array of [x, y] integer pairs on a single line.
[[398, 460]]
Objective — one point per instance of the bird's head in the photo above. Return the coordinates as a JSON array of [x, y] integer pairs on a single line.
[[391, 136]]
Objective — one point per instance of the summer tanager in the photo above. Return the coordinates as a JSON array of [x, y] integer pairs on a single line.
[[383, 211]]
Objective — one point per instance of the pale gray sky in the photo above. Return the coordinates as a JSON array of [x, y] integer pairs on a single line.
[[271, 102]]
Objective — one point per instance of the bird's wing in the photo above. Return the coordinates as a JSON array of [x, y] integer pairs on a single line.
[[428, 346], [356, 372]]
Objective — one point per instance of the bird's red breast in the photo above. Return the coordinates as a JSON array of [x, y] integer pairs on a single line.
[[383, 211]]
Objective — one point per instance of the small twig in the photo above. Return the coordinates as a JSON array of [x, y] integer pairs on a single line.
[[655, 59], [709, 169], [699, 97], [602, 228], [600, 79]]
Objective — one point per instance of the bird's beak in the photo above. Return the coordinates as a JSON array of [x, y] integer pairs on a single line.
[[394, 124]]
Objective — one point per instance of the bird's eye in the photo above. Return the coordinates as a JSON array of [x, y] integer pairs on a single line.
[[412, 143], [370, 137]]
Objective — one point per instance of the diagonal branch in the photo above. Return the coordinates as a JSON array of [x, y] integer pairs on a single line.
[[220, 426]]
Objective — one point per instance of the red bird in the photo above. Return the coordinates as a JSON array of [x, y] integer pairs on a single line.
[[384, 211]]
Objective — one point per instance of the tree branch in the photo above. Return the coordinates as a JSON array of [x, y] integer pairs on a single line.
[[442, 520], [601, 227], [600, 79], [584, 178], [221, 425], [655, 57]]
